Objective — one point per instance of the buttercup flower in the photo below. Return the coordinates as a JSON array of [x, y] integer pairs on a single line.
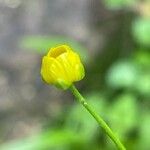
[[61, 67]]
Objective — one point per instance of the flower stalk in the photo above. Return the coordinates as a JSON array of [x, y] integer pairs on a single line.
[[100, 121]]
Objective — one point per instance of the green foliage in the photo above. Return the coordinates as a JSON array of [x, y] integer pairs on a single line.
[[141, 31], [142, 58], [78, 129], [144, 132], [126, 115], [143, 84], [123, 114], [118, 4], [79, 120], [41, 44], [122, 74], [53, 139], [140, 26]]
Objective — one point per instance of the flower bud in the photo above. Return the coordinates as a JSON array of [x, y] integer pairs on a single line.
[[61, 67]]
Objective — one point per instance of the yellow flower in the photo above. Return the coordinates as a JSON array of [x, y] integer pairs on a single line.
[[61, 67]]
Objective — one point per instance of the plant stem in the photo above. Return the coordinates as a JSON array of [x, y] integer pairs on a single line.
[[100, 121]]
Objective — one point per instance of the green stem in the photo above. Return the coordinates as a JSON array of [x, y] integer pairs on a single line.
[[100, 121]]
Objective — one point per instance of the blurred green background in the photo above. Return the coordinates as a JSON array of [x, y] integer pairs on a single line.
[[113, 40]]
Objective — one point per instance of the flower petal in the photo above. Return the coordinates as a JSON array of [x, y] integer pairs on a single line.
[[45, 69], [57, 51]]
